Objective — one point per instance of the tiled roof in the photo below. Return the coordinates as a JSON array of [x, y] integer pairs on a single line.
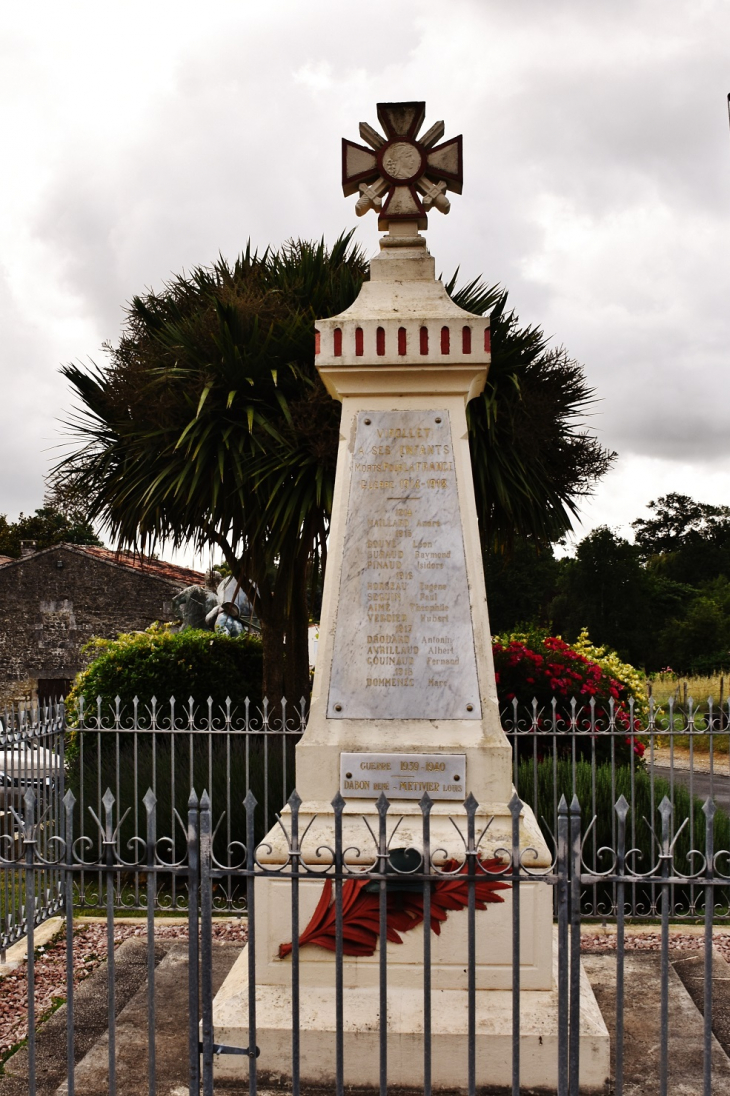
[[183, 576], [159, 568]]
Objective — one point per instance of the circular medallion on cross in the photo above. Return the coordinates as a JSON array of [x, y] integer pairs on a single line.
[[402, 175]]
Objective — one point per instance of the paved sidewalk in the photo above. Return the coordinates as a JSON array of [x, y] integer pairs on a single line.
[[641, 1023]]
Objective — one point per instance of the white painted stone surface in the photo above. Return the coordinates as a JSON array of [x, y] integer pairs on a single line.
[[403, 291], [405, 960], [405, 384], [538, 1034], [360, 821]]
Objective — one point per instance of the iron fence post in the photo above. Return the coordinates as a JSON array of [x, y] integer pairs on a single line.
[[471, 852], [250, 807], [29, 833], [69, 802], [294, 803], [710, 810], [666, 811], [426, 804], [109, 843], [193, 962], [575, 918], [515, 807], [338, 805], [383, 806], [621, 811], [206, 942], [150, 805], [563, 968]]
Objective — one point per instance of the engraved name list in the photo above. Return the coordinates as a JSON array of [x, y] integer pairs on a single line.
[[404, 644]]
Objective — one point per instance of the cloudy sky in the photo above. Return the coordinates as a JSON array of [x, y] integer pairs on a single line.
[[141, 138]]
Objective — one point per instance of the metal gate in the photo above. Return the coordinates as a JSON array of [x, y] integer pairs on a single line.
[[121, 856]]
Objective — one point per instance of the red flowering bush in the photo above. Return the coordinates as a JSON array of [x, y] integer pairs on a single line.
[[542, 667]]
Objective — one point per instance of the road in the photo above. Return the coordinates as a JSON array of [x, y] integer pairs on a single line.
[[701, 783]]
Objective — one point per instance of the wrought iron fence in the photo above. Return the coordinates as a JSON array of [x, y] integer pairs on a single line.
[[585, 751], [595, 754], [171, 748], [102, 815], [31, 759], [383, 870]]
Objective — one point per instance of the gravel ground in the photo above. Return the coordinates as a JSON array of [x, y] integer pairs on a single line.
[[89, 952], [652, 941]]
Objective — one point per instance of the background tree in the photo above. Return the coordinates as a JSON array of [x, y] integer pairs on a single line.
[[49, 525], [661, 602], [522, 583], [606, 589], [209, 424], [685, 540], [686, 544], [532, 457]]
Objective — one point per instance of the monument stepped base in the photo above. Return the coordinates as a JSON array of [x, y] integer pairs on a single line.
[[538, 1035]]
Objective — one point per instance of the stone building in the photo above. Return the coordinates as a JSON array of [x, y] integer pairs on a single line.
[[54, 600]]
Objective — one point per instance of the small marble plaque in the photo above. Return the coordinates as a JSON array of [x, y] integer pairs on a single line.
[[402, 775], [404, 641]]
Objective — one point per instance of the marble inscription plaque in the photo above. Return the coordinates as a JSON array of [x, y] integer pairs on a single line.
[[402, 775], [404, 642]]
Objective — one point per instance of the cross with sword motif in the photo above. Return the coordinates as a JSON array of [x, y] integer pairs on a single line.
[[402, 175]]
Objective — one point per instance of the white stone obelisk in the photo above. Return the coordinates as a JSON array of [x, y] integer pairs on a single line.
[[404, 698]]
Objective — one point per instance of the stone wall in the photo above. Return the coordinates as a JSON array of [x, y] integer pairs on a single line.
[[53, 602]]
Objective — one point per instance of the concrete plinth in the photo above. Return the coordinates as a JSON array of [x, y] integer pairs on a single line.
[[449, 1010]]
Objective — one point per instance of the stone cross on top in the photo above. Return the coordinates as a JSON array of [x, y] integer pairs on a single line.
[[402, 175]]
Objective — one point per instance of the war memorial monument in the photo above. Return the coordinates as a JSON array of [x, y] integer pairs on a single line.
[[404, 699]]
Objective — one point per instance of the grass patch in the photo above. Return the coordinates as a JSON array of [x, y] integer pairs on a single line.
[[663, 687]]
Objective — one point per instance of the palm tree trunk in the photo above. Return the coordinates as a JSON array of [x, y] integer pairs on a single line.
[[296, 674], [272, 638]]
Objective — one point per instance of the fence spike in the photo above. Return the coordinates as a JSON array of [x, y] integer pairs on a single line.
[[622, 808], [665, 809], [338, 803]]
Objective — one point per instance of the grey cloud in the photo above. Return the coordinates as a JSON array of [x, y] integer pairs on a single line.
[[612, 112], [33, 396]]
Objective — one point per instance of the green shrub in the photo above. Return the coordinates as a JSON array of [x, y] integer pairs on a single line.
[[159, 663]]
